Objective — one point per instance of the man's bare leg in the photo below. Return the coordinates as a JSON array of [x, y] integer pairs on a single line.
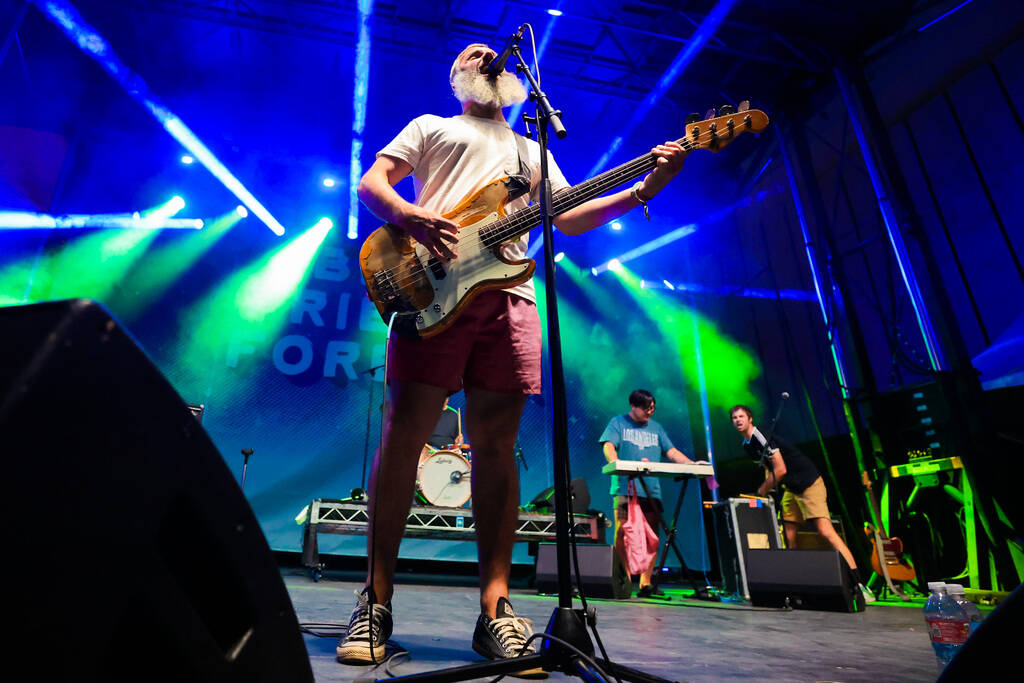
[[791, 529], [413, 412], [825, 528], [493, 422]]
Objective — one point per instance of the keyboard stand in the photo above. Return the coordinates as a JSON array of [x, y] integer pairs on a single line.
[[700, 592]]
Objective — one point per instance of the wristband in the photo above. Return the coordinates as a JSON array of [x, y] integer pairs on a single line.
[[635, 193]]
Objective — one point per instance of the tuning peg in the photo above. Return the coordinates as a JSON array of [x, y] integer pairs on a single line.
[[692, 118], [726, 109], [744, 105], [709, 114]]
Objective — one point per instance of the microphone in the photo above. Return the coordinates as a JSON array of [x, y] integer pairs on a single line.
[[497, 65]]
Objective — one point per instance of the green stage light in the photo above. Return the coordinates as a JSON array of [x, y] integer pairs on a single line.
[[728, 368], [154, 274], [93, 266], [251, 304]]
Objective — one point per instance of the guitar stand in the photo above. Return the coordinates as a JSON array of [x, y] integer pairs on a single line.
[[699, 592]]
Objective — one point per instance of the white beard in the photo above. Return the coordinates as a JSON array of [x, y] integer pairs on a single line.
[[473, 86]]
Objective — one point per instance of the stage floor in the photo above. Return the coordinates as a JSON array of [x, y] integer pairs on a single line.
[[682, 640]]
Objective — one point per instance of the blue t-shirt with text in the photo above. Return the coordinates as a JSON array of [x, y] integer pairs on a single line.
[[635, 441]]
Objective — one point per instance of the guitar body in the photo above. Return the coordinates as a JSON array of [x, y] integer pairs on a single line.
[[427, 294], [892, 550]]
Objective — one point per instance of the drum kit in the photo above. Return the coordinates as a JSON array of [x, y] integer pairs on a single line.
[[443, 476]]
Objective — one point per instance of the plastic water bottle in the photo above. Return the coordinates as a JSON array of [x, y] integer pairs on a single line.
[[970, 609], [948, 625]]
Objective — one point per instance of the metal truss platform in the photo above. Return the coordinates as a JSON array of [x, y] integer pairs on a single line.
[[326, 516]]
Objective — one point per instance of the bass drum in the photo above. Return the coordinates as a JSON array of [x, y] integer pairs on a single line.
[[442, 479]]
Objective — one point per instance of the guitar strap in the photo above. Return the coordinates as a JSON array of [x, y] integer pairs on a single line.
[[518, 184]]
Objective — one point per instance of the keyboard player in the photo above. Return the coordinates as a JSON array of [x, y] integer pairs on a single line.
[[635, 436]]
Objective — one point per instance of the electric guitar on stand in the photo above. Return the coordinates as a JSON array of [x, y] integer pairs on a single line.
[[887, 553], [426, 294]]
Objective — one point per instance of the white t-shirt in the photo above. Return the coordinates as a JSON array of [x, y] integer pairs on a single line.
[[453, 157]]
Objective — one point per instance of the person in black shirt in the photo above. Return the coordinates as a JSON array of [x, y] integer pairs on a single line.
[[448, 431], [804, 495]]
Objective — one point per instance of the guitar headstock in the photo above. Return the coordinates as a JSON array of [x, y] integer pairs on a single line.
[[717, 131]]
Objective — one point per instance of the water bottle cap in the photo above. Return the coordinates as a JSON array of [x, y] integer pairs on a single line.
[[936, 585]]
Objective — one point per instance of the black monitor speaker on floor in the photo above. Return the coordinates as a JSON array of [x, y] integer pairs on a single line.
[[802, 579], [601, 571], [137, 554]]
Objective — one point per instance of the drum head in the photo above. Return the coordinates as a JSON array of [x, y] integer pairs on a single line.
[[443, 479]]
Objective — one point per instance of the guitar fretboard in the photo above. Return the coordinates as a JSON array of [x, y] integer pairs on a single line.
[[525, 220]]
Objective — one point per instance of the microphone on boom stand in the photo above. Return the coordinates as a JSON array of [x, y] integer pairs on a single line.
[[497, 65]]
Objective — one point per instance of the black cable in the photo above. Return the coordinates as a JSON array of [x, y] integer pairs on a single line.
[[563, 643]]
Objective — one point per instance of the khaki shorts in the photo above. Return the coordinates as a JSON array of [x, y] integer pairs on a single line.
[[808, 504]]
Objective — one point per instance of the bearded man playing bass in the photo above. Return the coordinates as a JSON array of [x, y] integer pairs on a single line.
[[492, 350]]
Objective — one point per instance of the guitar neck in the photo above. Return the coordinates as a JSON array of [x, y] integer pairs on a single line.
[[712, 134], [525, 220]]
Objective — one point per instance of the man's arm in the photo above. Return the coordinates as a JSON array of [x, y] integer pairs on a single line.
[[676, 455], [599, 211], [610, 453], [777, 473], [429, 228]]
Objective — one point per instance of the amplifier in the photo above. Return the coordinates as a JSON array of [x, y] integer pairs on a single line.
[[742, 524]]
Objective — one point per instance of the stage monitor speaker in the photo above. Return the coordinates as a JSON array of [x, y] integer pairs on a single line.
[[580, 501], [601, 570], [802, 579], [740, 525], [137, 555]]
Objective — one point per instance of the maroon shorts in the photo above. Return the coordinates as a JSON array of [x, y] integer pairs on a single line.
[[493, 345]]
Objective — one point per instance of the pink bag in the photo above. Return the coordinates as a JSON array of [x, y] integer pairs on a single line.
[[639, 538]]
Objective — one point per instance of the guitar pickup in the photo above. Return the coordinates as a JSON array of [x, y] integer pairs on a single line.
[[385, 286], [437, 268]]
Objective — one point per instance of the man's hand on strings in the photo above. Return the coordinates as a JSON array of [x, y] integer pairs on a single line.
[[435, 232], [670, 161]]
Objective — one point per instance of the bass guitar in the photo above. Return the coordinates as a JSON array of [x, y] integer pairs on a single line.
[[426, 294], [887, 553]]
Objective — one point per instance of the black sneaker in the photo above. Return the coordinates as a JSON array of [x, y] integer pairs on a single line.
[[504, 637], [365, 643]]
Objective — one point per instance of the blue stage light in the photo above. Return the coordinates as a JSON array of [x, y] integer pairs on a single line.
[[328, 181], [24, 220], [690, 49], [669, 284], [559, 256], [325, 222], [514, 113], [241, 211], [648, 247], [68, 19], [359, 89], [616, 225], [187, 159], [944, 15]]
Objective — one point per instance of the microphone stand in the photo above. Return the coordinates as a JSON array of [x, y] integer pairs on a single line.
[[767, 449], [246, 452], [567, 627], [372, 372]]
